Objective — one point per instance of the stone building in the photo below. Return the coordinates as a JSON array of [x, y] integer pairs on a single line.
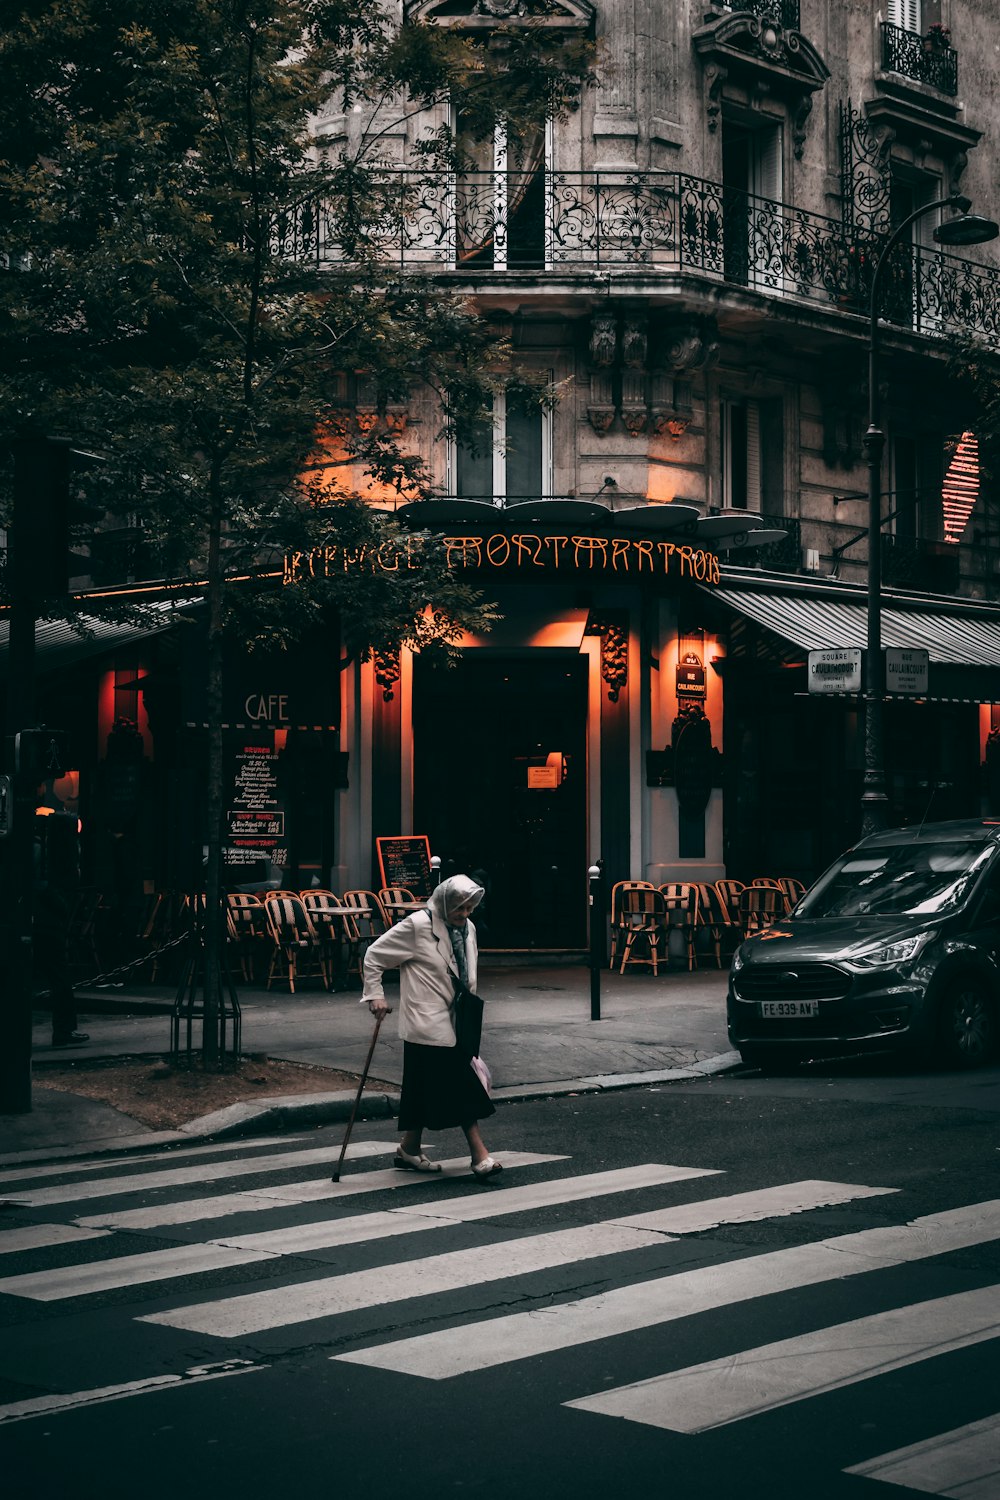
[[687, 263]]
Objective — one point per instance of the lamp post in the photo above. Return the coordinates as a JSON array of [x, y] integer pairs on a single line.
[[965, 229]]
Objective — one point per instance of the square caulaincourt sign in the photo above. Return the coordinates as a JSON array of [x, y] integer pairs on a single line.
[[835, 671]]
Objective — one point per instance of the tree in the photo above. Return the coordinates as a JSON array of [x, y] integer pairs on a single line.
[[147, 310]]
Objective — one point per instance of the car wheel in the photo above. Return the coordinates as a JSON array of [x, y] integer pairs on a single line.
[[774, 1063], [967, 1024]]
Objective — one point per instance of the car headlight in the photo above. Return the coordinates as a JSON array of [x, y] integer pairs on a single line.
[[738, 961], [888, 954]]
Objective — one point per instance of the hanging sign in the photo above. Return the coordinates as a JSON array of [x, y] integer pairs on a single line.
[[690, 676], [906, 671], [835, 671]]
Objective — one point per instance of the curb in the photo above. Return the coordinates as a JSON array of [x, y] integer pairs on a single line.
[[292, 1111]]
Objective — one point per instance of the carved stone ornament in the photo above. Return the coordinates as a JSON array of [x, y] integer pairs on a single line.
[[634, 343], [670, 424], [635, 419], [366, 418], [395, 420], [601, 418], [691, 345], [603, 340], [613, 631], [750, 50], [480, 15]]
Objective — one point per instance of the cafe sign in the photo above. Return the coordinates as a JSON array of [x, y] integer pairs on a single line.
[[519, 553]]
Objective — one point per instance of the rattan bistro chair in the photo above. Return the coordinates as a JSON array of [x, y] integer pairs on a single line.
[[331, 929], [644, 921], [794, 890], [760, 907], [247, 929], [680, 899], [714, 920], [729, 891], [618, 930], [397, 903], [296, 949]]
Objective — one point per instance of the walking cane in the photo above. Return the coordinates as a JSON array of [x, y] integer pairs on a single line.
[[357, 1099]]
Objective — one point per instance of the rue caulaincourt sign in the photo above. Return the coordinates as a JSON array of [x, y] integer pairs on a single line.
[[522, 553]]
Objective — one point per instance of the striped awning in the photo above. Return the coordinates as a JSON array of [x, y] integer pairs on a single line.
[[60, 644], [968, 637]]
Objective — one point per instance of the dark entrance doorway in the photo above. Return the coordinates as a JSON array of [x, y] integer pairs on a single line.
[[500, 773]]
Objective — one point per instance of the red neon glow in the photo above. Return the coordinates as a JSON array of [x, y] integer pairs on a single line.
[[960, 489]]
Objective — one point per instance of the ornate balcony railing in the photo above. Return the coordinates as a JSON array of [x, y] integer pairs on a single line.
[[785, 11], [488, 225], [916, 56]]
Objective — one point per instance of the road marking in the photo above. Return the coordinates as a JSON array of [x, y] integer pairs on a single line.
[[278, 1307], [125, 1270], [316, 1190], [759, 1380], [64, 1168], [446, 1212], [39, 1236], [747, 1208], [491, 1342], [963, 1464], [113, 1187], [48, 1406]]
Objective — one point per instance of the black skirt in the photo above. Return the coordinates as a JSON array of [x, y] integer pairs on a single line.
[[440, 1089]]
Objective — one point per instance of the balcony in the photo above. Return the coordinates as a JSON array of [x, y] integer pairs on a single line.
[[918, 57], [489, 227]]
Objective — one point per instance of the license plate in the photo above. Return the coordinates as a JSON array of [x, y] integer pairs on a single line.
[[788, 1010]]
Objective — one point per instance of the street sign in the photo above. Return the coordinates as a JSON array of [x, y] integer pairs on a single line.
[[835, 671], [905, 671]]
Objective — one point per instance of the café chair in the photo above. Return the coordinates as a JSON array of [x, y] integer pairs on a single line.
[[760, 907], [681, 902], [794, 890], [295, 947], [326, 912], [617, 929], [729, 891], [247, 929], [714, 920], [644, 921], [398, 902]]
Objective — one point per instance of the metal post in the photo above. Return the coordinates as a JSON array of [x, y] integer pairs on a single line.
[[597, 955], [435, 871]]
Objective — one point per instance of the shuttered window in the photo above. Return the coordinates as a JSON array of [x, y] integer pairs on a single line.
[[905, 13]]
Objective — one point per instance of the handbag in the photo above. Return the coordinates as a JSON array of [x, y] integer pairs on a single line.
[[467, 1015]]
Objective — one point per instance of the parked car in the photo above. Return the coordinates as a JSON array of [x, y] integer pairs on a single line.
[[896, 947]]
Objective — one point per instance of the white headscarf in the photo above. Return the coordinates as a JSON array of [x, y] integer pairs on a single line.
[[455, 892]]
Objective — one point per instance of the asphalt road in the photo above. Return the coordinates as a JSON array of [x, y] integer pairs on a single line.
[[801, 1273]]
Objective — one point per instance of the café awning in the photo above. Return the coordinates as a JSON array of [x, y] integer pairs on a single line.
[[60, 644], [962, 641]]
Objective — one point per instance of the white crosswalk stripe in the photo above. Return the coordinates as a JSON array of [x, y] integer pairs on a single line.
[[758, 1380], [168, 1177], [254, 1311], [963, 1464], [29, 1175], [316, 1190], [38, 1236], [481, 1346]]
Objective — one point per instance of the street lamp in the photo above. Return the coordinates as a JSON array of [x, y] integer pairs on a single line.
[[965, 229]]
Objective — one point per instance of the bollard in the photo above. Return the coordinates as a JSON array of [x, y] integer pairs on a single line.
[[596, 904]]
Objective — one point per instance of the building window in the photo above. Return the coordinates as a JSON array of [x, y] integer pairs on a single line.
[[751, 191], [500, 211], [904, 13], [508, 459], [753, 454]]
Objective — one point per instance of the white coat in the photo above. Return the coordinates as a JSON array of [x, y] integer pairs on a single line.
[[420, 947]]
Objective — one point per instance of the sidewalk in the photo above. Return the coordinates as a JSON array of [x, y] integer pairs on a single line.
[[538, 1040]]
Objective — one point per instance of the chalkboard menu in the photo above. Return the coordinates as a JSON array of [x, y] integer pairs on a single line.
[[406, 860]]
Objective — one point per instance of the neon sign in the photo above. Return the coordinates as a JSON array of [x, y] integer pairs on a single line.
[[521, 552]]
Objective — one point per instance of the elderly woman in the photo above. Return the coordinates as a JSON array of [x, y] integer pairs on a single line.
[[431, 949]]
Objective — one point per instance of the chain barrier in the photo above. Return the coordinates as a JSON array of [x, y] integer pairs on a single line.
[[114, 976]]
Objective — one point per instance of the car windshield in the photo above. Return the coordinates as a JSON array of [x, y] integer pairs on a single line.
[[897, 880]]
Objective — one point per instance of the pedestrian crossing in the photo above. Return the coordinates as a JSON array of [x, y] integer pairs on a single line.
[[438, 1241]]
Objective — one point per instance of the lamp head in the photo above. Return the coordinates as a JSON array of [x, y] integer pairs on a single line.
[[966, 229]]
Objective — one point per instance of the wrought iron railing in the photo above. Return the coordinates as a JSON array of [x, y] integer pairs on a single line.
[[920, 57], [485, 225], [785, 11]]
